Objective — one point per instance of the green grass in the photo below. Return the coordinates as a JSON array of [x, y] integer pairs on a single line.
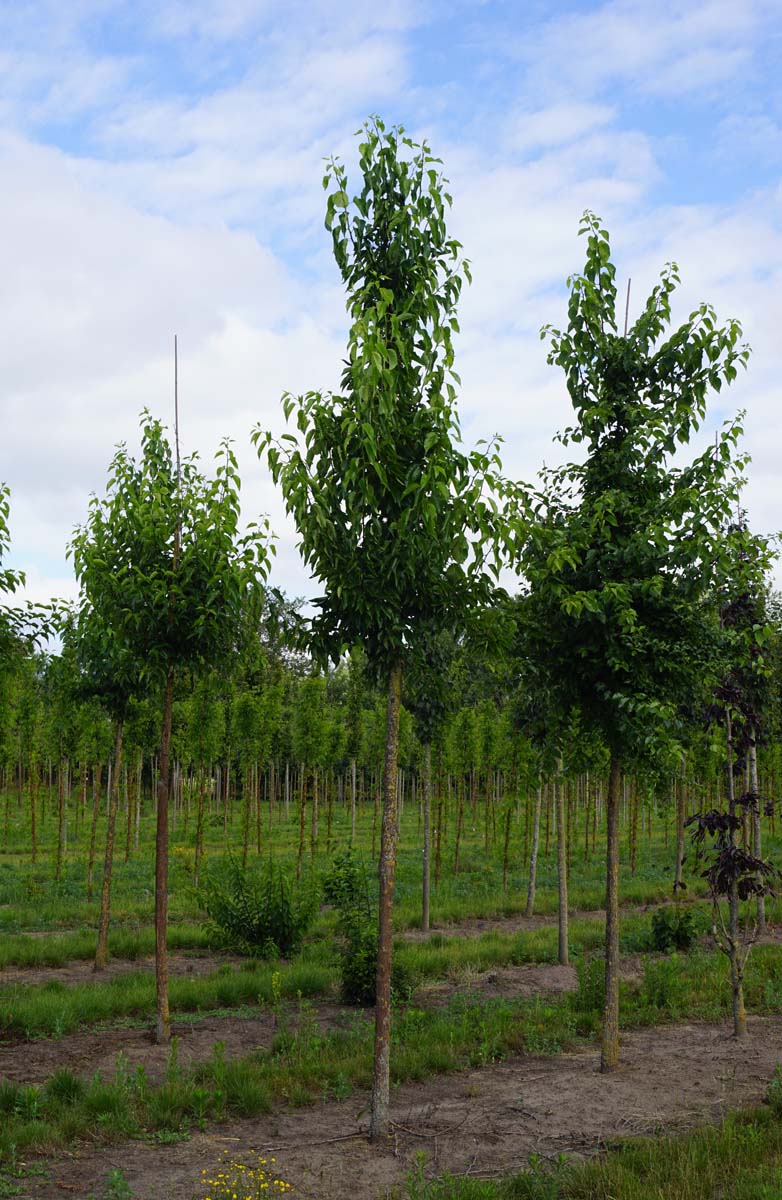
[[306, 1063], [741, 1159]]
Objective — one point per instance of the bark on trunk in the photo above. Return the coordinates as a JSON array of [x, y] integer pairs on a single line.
[[533, 862], [734, 933], [609, 1055], [162, 1022], [562, 866], [381, 1075], [757, 846], [101, 950], [427, 798]]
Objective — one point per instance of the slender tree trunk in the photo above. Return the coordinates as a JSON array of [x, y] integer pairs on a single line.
[[60, 815], [506, 846], [101, 950], [137, 823], [427, 805], [609, 1055], [680, 789], [757, 846], [33, 801], [162, 1022], [562, 866], [381, 1073], [302, 814], [199, 840], [533, 862], [734, 936], [352, 800], [94, 830]]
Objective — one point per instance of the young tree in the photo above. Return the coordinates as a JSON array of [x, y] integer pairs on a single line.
[[624, 547], [393, 517], [162, 560]]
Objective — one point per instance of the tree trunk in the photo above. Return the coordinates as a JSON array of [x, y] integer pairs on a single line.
[[734, 948], [101, 950], [533, 862], [96, 774], [757, 846], [609, 1055], [677, 881], [60, 816], [427, 800], [352, 800], [562, 866], [381, 1072], [199, 839], [162, 1022]]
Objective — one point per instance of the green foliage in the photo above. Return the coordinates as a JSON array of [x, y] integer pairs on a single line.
[[346, 887], [774, 1093], [166, 576], [394, 520], [625, 547], [358, 965], [673, 928], [345, 884], [258, 911]]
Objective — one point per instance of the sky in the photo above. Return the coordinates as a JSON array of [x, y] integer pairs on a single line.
[[160, 174]]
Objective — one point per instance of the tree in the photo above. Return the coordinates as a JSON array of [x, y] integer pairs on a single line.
[[624, 546], [162, 560], [393, 517], [742, 699]]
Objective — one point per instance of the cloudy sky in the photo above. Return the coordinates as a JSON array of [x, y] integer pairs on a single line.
[[160, 173]]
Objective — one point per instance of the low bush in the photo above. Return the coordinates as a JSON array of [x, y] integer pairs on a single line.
[[673, 928], [256, 912]]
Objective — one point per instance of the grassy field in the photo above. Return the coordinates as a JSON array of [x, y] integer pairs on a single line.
[[50, 924]]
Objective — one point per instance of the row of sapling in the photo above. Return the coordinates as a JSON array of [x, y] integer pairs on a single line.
[[54, 758], [620, 554]]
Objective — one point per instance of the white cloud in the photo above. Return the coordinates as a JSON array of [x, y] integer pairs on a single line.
[[195, 206]]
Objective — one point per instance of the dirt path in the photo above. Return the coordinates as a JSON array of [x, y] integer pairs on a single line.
[[195, 962], [97, 1049], [481, 1121]]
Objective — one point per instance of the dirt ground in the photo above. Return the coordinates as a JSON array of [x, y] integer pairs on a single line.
[[194, 962], [478, 1121], [97, 1050]]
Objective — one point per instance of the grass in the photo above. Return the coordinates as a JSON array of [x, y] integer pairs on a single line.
[[54, 1009], [740, 1159], [303, 1065], [308, 1063]]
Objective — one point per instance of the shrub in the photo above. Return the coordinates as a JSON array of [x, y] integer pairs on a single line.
[[673, 928], [774, 1093], [258, 913], [358, 967], [345, 884]]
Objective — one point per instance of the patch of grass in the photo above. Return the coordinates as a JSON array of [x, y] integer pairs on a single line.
[[740, 1159], [52, 1009]]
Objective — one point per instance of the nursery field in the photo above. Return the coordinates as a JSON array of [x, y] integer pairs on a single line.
[[496, 1090], [421, 889]]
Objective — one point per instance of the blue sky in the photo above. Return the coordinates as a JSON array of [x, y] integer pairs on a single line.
[[161, 168]]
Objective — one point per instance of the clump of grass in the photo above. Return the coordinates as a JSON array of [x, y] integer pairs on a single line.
[[739, 1158]]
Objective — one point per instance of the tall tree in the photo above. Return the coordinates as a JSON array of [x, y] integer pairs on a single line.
[[393, 517], [625, 546], [162, 560]]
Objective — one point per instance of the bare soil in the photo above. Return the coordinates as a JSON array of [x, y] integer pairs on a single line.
[[194, 962], [480, 1121], [97, 1050]]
